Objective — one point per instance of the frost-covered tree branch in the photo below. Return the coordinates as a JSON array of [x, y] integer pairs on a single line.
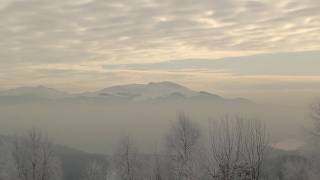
[[237, 147], [126, 160], [182, 146], [34, 158], [96, 170]]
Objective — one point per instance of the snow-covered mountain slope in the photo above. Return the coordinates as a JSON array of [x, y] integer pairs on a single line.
[[149, 91]]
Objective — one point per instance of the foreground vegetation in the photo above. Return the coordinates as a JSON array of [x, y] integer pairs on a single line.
[[231, 148]]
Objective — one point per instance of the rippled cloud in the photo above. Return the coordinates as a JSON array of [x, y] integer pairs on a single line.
[[64, 43]]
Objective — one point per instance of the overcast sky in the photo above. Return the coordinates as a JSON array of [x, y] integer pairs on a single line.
[[80, 45]]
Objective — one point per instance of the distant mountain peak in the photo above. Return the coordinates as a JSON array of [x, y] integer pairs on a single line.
[[163, 90], [138, 92]]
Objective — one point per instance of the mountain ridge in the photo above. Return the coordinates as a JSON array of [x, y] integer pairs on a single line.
[[164, 90], [35, 91]]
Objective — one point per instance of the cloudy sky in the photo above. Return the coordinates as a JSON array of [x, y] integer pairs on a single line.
[[232, 47]]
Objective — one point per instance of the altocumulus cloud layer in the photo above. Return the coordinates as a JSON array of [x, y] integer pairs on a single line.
[[87, 44]]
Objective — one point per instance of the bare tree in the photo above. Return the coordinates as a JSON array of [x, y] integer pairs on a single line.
[[236, 148], [182, 146], [96, 171], [225, 145], [34, 158], [7, 170], [126, 160], [157, 171], [255, 144], [312, 135], [315, 115]]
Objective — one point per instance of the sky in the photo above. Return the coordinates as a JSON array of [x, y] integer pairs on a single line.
[[259, 49]]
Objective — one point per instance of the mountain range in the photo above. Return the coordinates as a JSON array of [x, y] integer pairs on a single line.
[[131, 92]]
